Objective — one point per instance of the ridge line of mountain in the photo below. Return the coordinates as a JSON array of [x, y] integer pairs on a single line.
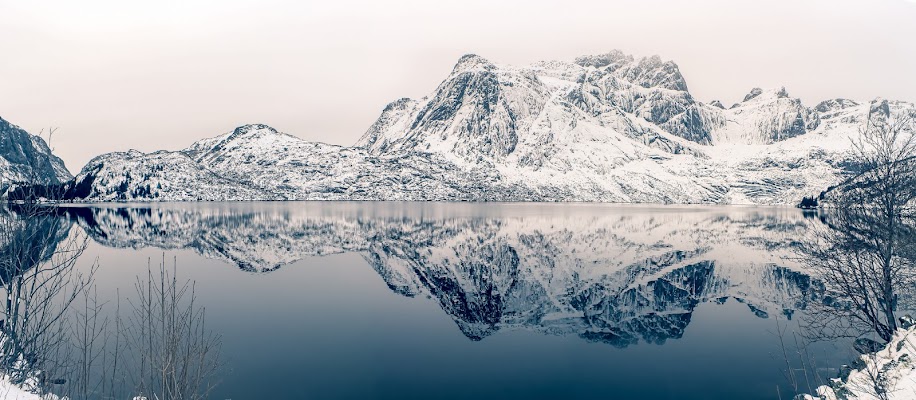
[[605, 128]]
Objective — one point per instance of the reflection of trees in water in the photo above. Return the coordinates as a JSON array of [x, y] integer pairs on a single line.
[[39, 284], [161, 349], [58, 337]]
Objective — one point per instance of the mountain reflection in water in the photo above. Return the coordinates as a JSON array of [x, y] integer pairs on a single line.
[[611, 274]]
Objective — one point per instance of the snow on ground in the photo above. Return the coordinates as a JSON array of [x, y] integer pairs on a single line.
[[9, 391], [891, 371]]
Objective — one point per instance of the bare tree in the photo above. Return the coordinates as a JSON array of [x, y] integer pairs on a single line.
[[177, 357], [39, 281], [56, 335], [161, 349], [51, 132], [865, 253], [885, 151], [864, 272]]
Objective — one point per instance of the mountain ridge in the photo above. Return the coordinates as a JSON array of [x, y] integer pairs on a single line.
[[604, 128]]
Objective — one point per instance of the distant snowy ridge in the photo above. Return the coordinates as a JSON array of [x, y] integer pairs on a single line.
[[608, 128]]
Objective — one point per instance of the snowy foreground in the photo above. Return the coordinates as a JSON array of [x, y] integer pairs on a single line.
[[891, 371], [9, 391]]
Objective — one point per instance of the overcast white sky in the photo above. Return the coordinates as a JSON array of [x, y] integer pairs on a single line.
[[115, 75]]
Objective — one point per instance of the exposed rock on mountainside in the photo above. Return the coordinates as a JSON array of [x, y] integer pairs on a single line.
[[608, 128], [26, 158], [765, 117]]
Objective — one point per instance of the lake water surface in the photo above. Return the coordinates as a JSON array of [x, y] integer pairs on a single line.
[[357, 300]]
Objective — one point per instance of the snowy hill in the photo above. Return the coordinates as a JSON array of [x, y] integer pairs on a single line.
[[255, 162], [607, 128], [26, 158]]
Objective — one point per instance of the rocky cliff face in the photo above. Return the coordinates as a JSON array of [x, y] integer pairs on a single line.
[[26, 158], [764, 117]]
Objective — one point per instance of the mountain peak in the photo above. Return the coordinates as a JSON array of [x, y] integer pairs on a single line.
[[648, 72], [613, 57], [654, 59], [835, 104], [471, 62], [655, 72], [243, 135], [398, 104], [764, 94], [879, 107], [252, 129], [755, 92]]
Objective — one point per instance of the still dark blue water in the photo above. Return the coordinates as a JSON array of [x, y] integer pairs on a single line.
[[427, 300]]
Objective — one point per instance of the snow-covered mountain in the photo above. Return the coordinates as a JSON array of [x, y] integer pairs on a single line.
[[26, 158], [606, 274], [609, 128], [895, 177], [255, 162]]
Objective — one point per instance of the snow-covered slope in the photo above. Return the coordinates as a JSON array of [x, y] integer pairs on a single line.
[[26, 158], [609, 128], [764, 117], [607, 274], [255, 162], [286, 167], [888, 374], [158, 175]]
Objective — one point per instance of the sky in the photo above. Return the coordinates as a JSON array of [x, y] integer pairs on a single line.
[[113, 75]]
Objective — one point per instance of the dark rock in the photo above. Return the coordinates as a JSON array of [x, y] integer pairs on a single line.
[[907, 321], [754, 93], [845, 370], [867, 346]]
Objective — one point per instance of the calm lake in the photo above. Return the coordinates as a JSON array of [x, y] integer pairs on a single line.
[[352, 300]]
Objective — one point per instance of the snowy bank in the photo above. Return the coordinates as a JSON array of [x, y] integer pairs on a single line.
[[26, 388], [9, 391], [888, 374]]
